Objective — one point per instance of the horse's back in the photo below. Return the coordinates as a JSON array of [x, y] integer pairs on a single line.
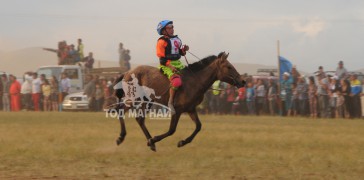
[[150, 77]]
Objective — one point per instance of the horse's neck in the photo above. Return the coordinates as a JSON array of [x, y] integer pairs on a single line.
[[205, 78]]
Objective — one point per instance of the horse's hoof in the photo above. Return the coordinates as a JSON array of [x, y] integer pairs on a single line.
[[153, 148], [119, 141], [181, 143], [151, 145]]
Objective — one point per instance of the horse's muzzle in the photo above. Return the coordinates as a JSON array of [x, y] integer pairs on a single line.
[[240, 84]]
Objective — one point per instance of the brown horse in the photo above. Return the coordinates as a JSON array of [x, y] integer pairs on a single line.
[[197, 78]]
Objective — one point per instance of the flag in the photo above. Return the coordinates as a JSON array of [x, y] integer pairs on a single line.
[[285, 66]]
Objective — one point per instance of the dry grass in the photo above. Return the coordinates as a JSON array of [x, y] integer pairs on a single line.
[[82, 146]]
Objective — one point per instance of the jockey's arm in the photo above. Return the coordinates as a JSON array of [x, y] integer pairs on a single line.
[[161, 51]]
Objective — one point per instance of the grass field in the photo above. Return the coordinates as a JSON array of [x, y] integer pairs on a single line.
[[82, 146]]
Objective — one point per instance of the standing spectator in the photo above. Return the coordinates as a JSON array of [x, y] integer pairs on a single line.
[[340, 105], [345, 91], [73, 55], [46, 89], [323, 96], [223, 97], [321, 72], [302, 92], [294, 101], [260, 97], [54, 93], [341, 72], [215, 97], [6, 94], [286, 93], [65, 85], [333, 88], [36, 91], [355, 96], [80, 49], [41, 99], [240, 105], [312, 95], [99, 97], [89, 90], [295, 75], [104, 86], [97, 79], [63, 53], [26, 91], [203, 107], [127, 60], [230, 98], [272, 96], [14, 91], [89, 62], [110, 86], [122, 53], [250, 98]]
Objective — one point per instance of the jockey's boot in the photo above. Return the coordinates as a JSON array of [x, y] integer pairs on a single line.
[[171, 108], [170, 101]]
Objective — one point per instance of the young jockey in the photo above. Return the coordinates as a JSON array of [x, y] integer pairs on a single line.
[[169, 51]]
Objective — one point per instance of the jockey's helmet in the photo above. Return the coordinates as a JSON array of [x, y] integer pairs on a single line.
[[162, 25]]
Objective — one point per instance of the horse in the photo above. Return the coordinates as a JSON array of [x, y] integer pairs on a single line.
[[197, 78]]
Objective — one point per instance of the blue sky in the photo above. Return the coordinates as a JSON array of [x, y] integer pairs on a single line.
[[311, 32]]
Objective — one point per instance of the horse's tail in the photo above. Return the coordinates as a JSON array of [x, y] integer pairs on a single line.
[[113, 102], [118, 90]]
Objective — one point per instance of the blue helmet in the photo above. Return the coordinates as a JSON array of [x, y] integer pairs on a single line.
[[162, 25]]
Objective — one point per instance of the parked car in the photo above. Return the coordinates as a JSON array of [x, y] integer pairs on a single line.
[[75, 102]]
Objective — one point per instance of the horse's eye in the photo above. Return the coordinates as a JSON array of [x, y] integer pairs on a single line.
[[229, 67]]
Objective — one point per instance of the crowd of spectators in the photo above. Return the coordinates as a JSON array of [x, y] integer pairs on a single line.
[[47, 93], [97, 91], [71, 55], [336, 95]]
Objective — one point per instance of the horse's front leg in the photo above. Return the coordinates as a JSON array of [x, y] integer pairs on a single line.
[[194, 117], [123, 130], [172, 129], [141, 122]]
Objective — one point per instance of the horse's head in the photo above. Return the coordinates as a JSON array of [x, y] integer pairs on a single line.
[[226, 72]]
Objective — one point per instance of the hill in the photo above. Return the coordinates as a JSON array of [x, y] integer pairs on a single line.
[[29, 59]]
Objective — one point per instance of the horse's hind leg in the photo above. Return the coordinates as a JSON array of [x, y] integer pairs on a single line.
[[197, 121], [123, 131], [141, 122]]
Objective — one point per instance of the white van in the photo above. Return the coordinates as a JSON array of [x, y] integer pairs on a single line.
[[73, 71]]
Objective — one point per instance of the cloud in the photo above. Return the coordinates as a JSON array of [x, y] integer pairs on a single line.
[[310, 28]]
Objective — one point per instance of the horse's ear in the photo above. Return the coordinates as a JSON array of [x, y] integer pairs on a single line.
[[224, 56]]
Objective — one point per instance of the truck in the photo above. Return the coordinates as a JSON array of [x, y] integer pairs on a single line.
[[77, 75], [74, 73]]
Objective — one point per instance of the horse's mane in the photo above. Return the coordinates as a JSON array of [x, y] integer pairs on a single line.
[[199, 65]]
